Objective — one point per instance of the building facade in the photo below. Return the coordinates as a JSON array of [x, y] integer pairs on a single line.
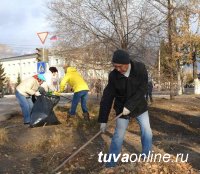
[[25, 66]]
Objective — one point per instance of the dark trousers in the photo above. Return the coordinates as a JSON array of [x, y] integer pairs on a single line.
[[149, 96]]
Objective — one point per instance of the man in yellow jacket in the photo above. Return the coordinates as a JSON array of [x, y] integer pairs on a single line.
[[80, 89]]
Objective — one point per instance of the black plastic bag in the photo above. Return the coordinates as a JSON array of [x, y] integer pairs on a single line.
[[42, 112]]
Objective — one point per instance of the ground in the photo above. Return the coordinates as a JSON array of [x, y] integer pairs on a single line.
[[175, 125]]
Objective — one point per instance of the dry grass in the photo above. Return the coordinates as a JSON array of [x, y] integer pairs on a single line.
[[3, 136], [53, 139], [93, 123], [93, 108], [79, 122], [56, 139], [38, 144], [50, 145], [61, 116]]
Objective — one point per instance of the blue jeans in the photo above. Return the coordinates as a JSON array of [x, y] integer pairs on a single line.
[[26, 105], [83, 96], [118, 137]]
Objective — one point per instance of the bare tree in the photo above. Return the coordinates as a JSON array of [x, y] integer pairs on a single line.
[[116, 23], [91, 30]]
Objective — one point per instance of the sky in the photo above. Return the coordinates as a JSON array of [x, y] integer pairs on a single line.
[[20, 21]]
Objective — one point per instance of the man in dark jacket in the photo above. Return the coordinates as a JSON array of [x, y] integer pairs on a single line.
[[149, 91], [127, 84]]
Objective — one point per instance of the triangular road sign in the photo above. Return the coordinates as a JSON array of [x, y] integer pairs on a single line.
[[42, 36]]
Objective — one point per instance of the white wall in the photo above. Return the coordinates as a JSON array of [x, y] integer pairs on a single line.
[[24, 67]]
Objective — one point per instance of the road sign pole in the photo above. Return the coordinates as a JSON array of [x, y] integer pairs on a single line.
[[42, 36], [43, 53]]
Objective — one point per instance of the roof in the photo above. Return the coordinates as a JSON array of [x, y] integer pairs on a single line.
[[25, 56]]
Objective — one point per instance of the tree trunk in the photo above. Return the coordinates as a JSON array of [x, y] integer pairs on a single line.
[[159, 84], [180, 88], [170, 27], [196, 80]]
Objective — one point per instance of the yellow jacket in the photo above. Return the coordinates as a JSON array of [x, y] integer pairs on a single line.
[[74, 79]]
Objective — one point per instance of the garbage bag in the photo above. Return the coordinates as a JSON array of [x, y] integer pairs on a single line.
[[42, 112], [42, 91]]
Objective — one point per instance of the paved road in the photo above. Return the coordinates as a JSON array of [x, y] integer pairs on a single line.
[[8, 105]]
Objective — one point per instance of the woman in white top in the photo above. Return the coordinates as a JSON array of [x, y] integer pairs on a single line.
[[25, 90], [52, 80]]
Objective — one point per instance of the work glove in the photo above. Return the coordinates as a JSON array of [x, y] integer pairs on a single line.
[[57, 93], [103, 127], [126, 111], [37, 93]]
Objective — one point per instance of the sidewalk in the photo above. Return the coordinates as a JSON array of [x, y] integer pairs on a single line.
[[8, 105]]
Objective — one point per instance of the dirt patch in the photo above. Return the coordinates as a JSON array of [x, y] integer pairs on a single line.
[[175, 125]]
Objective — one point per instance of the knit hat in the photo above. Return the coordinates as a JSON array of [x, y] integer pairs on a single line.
[[41, 77], [120, 57]]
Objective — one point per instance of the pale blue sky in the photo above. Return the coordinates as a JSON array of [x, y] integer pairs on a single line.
[[20, 20]]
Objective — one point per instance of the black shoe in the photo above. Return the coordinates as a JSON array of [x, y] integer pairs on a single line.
[[27, 124], [70, 119], [69, 116], [86, 116]]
